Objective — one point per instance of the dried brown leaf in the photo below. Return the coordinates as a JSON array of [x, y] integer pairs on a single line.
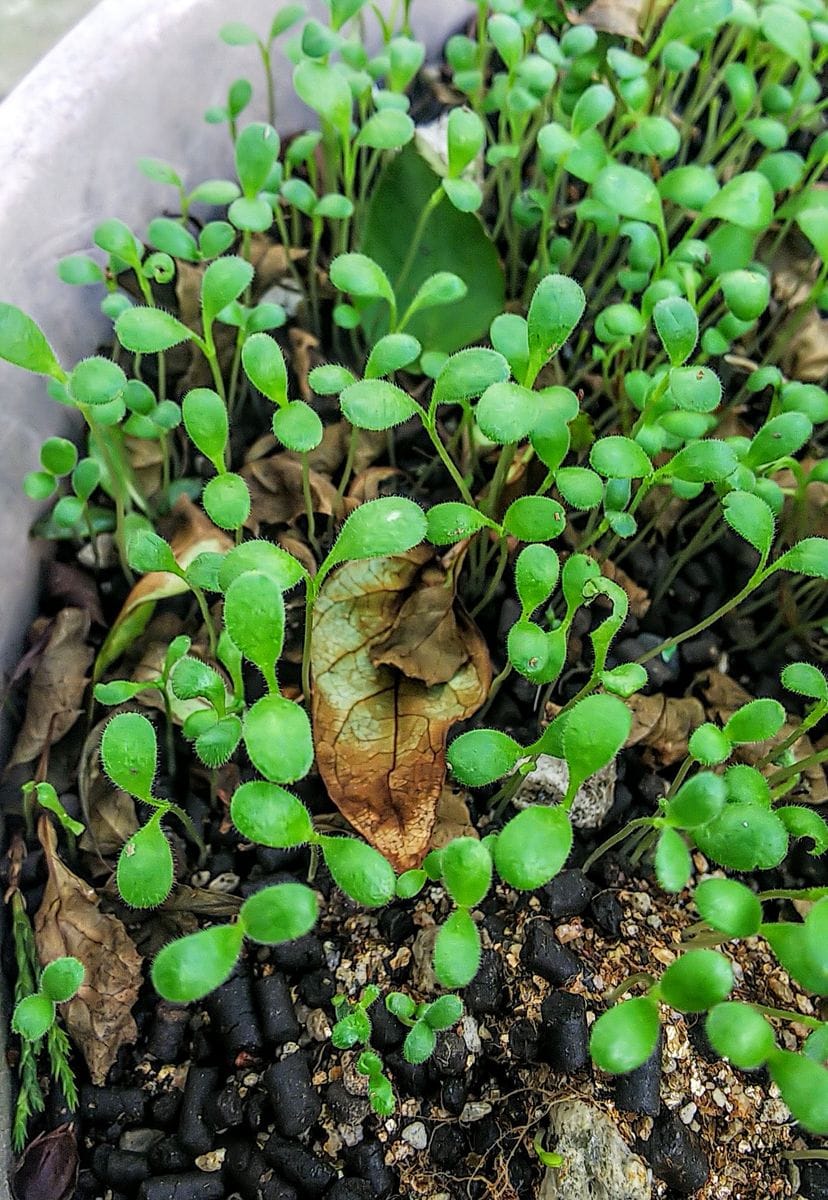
[[57, 686], [76, 588], [377, 481], [453, 819], [69, 921], [276, 494], [48, 1167], [380, 734], [621, 17], [638, 597], [664, 724]]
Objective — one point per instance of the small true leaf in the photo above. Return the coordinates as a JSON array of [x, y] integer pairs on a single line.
[[697, 980], [279, 914], [457, 951], [624, 1037], [145, 867], [190, 967], [533, 847], [360, 870]]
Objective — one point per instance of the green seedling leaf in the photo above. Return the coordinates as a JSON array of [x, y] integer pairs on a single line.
[[533, 847], [466, 137], [794, 947], [98, 381], [216, 745], [150, 330], [620, 458], [555, 309], [457, 951], [269, 815], [802, 1082], [745, 201], [624, 1037], [536, 575], [360, 870], [278, 738], [223, 281], [205, 419], [264, 365], [673, 865], [755, 721], [390, 525], [751, 518], [482, 756], [802, 822], [377, 404], [145, 867], [743, 837], [709, 461], [467, 871], [79, 270], [400, 1006], [48, 798], [410, 884], [534, 519], [507, 413], [148, 552], [677, 325], [190, 967], [254, 617], [61, 978], [438, 290], [624, 680], [453, 242], [444, 1012], [468, 374], [709, 745], [596, 729], [258, 555], [420, 1043], [740, 1034], [58, 455], [256, 149], [697, 801], [806, 680], [778, 438], [695, 389], [23, 344], [391, 353], [330, 379], [129, 752], [816, 1045], [580, 487], [529, 647], [362, 277], [628, 192], [452, 522], [327, 92], [697, 980], [226, 500], [281, 913], [191, 678], [33, 1016], [746, 293], [808, 557], [729, 907]]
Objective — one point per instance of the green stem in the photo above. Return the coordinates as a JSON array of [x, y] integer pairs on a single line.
[[784, 1014], [615, 840], [417, 237]]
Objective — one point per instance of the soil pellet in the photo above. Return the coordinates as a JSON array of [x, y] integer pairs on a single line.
[[233, 1013], [346, 1109], [107, 1105], [396, 924], [296, 1103], [676, 1156], [195, 1185], [485, 992], [607, 913], [367, 1159], [564, 1034], [524, 1041], [453, 1095], [813, 1180], [317, 988], [387, 1033], [167, 1032], [449, 1056], [311, 1174], [164, 1108], [120, 1168], [639, 1091], [416, 1078], [567, 895], [349, 1189], [249, 1172], [169, 1156], [543, 955], [277, 1017], [226, 1109], [447, 1146], [257, 1111], [305, 954], [194, 1132]]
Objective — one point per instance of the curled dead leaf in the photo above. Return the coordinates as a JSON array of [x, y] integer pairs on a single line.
[[48, 1167], [380, 732], [69, 921], [453, 818], [621, 17], [57, 685], [663, 724], [638, 597], [276, 496], [377, 481]]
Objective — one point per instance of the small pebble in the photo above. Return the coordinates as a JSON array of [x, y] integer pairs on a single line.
[[607, 913], [476, 1110], [453, 1095], [484, 995], [415, 1135], [139, 1141], [471, 1035], [639, 1091], [169, 1157], [449, 1057], [212, 1160]]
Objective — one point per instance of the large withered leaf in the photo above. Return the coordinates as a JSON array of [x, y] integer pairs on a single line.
[[621, 17], [276, 494], [48, 1167], [57, 686], [69, 921], [664, 724], [193, 534], [380, 727]]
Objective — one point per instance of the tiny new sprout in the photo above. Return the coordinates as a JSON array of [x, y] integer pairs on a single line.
[[424, 1021], [353, 1028]]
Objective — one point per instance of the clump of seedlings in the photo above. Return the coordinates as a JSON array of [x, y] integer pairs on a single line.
[[567, 303]]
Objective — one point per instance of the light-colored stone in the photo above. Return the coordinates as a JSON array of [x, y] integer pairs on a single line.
[[547, 784], [415, 1135], [598, 1163]]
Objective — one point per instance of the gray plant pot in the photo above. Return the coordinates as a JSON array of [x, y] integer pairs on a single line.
[[132, 79]]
